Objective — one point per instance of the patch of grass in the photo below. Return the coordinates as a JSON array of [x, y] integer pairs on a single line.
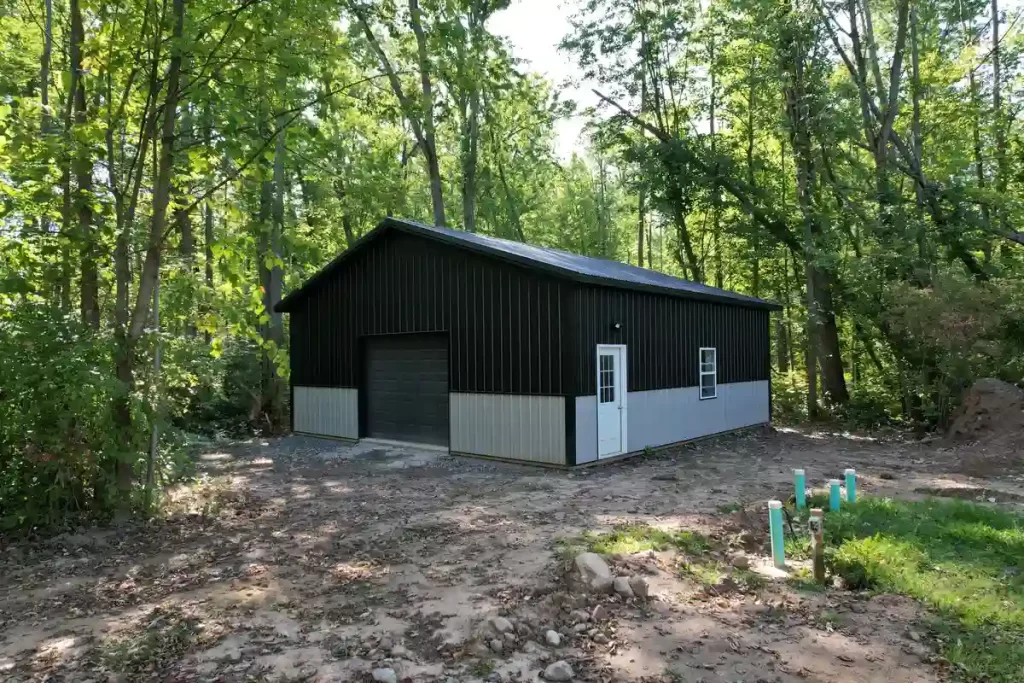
[[706, 574], [963, 560], [482, 668], [635, 538], [729, 508]]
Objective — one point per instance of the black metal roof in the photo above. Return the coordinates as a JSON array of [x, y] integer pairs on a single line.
[[585, 269]]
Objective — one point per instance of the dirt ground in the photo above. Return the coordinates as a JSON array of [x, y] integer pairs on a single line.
[[305, 559]]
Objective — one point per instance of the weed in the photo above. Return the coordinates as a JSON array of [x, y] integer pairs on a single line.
[[729, 508], [482, 668]]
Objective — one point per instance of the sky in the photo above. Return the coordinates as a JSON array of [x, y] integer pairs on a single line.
[[535, 27]]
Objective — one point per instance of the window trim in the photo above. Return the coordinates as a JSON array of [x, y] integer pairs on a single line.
[[702, 373]]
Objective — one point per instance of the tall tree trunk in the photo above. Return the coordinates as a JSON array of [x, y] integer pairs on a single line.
[[183, 221], [917, 141], [471, 125], [979, 163], [272, 203], [803, 163], [427, 113], [44, 66], [640, 216], [716, 227], [470, 163], [128, 335], [208, 236], [998, 120], [751, 180], [82, 170]]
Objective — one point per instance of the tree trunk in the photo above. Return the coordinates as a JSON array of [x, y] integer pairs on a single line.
[[272, 203], [917, 141], [751, 181], [998, 121], [129, 332], [716, 227], [44, 65], [208, 236], [640, 209], [427, 112], [82, 170]]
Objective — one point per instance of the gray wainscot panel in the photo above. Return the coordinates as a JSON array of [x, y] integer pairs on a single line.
[[516, 427], [327, 411], [665, 416], [586, 429]]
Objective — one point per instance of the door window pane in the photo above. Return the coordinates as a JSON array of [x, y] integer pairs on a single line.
[[606, 378]]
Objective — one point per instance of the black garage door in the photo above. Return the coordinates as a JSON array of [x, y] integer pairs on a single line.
[[407, 388]]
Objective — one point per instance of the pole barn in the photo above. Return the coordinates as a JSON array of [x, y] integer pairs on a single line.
[[500, 349]]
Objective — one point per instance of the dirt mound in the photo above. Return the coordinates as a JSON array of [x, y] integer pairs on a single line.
[[991, 419]]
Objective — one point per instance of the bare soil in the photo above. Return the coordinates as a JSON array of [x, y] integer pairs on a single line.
[[989, 424], [303, 559]]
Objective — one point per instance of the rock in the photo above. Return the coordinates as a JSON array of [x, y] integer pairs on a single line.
[[602, 585], [386, 643], [400, 652], [578, 615], [497, 646], [385, 676], [558, 671], [621, 586], [600, 613], [501, 625], [592, 567], [740, 561], [638, 584], [600, 639], [510, 637], [552, 638], [579, 628], [478, 649], [664, 477]]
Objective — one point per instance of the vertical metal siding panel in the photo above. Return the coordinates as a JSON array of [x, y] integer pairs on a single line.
[[519, 427]]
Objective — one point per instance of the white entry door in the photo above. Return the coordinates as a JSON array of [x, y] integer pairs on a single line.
[[611, 400]]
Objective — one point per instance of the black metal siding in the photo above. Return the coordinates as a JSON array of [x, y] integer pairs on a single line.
[[663, 336], [505, 323]]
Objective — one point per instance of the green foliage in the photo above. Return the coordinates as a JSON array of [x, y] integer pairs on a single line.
[[960, 559], [635, 538], [57, 449]]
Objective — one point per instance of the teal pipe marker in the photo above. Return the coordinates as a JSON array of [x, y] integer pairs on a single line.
[[775, 525], [800, 484], [833, 494], [851, 485]]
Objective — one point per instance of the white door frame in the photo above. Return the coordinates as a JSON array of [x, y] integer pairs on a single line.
[[620, 385]]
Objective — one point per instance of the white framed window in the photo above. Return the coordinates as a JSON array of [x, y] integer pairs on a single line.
[[708, 373]]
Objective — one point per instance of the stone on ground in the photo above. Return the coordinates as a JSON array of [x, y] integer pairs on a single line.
[[740, 561], [638, 584], [500, 625], [385, 675], [621, 586], [578, 615], [558, 671], [602, 585], [600, 613], [592, 567], [552, 638], [497, 646]]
